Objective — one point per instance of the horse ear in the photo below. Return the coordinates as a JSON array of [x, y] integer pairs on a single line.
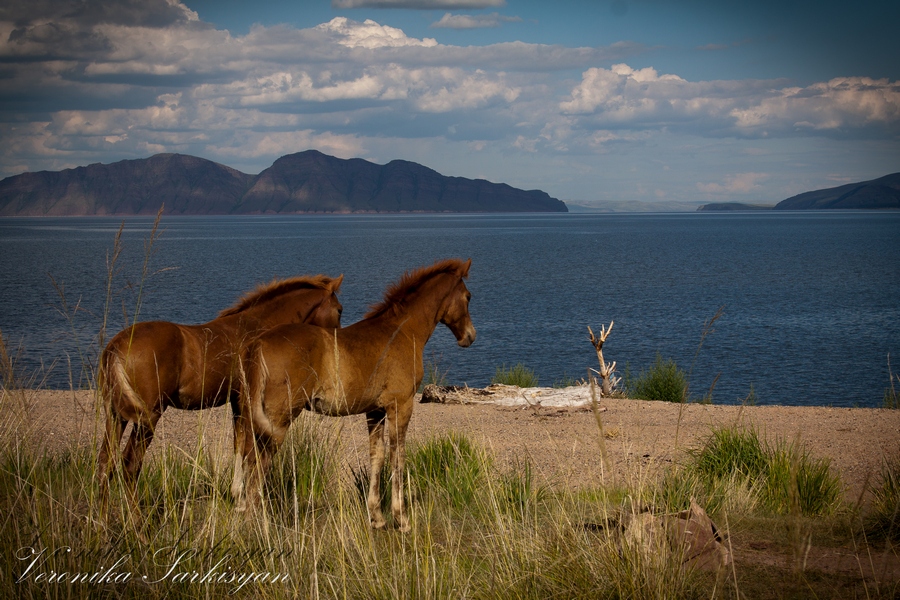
[[464, 270], [335, 284]]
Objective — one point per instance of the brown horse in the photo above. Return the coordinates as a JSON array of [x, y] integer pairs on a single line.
[[150, 366], [372, 367]]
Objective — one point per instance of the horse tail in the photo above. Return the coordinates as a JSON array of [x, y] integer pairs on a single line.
[[260, 425], [114, 390], [123, 399], [253, 429]]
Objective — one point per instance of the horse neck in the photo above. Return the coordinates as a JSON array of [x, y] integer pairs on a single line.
[[419, 316], [291, 307]]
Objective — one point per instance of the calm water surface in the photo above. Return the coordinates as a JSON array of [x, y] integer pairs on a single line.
[[810, 300]]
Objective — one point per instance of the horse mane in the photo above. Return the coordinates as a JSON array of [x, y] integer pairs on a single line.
[[265, 292], [411, 281]]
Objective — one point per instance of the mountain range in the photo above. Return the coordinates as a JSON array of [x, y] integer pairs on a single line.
[[880, 193], [305, 182]]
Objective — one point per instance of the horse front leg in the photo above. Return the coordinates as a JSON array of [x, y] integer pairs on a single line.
[[397, 421], [375, 423]]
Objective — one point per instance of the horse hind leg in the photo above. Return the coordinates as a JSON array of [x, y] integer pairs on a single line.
[[257, 458], [375, 423], [106, 460], [133, 460]]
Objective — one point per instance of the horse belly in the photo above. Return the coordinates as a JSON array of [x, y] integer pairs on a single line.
[[207, 376]]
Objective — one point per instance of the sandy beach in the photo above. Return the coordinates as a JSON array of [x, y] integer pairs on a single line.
[[556, 430]]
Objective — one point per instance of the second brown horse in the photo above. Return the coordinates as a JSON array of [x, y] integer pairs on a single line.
[[157, 364], [372, 367]]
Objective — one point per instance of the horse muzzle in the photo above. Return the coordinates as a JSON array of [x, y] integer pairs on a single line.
[[468, 337]]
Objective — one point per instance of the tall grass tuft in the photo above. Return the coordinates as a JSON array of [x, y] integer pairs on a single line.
[[778, 478], [663, 381], [518, 375], [450, 466], [884, 520], [891, 397], [304, 469], [433, 373], [519, 489]]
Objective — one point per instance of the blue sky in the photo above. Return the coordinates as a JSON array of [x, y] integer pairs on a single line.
[[623, 100]]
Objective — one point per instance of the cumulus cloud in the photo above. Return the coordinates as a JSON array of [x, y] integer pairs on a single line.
[[451, 21], [640, 98], [833, 106], [370, 34]]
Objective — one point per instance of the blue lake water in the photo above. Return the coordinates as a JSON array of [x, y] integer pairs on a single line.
[[811, 303]]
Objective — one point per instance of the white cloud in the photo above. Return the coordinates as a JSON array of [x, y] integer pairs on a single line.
[[451, 21], [625, 97], [370, 34], [846, 102]]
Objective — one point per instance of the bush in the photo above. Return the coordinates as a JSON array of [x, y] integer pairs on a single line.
[[663, 381], [519, 375]]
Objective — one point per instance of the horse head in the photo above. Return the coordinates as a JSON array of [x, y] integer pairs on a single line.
[[328, 312], [455, 309]]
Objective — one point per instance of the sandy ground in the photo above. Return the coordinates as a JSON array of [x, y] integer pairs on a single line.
[[559, 434]]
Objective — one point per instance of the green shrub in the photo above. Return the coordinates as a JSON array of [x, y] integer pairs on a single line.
[[663, 381], [783, 479], [519, 375], [728, 451], [450, 465], [796, 482]]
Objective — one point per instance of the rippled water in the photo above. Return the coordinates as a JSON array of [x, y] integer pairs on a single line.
[[810, 299]]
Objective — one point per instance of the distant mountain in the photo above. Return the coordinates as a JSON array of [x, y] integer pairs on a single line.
[[306, 182], [733, 206], [883, 192], [630, 206]]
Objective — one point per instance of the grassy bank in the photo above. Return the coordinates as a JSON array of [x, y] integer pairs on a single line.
[[479, 529]]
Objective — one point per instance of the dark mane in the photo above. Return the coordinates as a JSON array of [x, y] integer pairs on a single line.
[[412, 281], [265, 292]]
